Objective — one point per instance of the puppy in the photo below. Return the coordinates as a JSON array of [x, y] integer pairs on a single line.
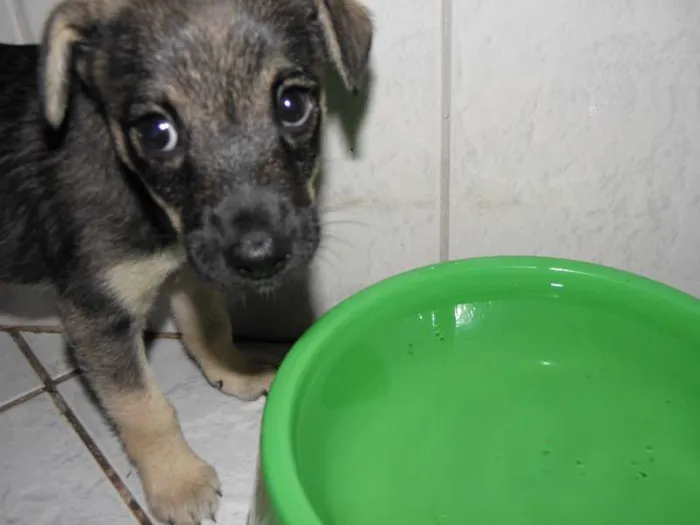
[[166, 138]]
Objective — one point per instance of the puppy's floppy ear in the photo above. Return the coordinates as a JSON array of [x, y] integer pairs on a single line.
[[348, 30], [63, 47]]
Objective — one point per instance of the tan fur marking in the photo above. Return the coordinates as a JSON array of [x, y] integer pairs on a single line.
[[176, 97], [202, 318], [179, 486], [312, 184], [357, 20], [171, 212], [62, 37], [104, 9], [323, 100], [135, 282], [313, 180], [332, 41], [120, 143], [63, 30]]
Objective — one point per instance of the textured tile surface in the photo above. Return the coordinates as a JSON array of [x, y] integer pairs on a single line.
[[35, 12], [575, 132], [16, 375], [50, 349], [47, 477], [223, 430], [383, 197], [9, 23]]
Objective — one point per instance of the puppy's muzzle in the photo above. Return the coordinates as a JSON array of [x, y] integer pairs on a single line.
[[258, 254], [254, 236]]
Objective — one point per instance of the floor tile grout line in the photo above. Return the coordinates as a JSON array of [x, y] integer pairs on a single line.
[[73, 420], [22, 399], [149, 334], [32, 329], [49, 330], [43, 374], [65, 376]]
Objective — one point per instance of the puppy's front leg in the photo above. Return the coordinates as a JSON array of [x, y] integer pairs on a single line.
[[180, 487], [202, 318]]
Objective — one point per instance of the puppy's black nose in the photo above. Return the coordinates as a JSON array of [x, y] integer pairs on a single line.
[[258, 255]]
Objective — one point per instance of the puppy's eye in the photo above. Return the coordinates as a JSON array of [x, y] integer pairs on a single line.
[[158, 135], [294, 107]]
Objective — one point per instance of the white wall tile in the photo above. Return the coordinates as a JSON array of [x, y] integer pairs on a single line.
[[35, 13], [388, 197], [575, 132], [10, 32]]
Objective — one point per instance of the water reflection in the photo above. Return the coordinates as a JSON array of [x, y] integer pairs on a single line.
[[464, 314]]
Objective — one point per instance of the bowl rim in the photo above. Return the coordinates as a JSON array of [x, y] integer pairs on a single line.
[[284, 488]]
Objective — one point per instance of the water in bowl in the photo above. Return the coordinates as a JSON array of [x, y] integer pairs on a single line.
[[521, 411]]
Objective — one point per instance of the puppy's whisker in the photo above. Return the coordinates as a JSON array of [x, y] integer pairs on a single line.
[[324, 251], [243, 298], [322, 258], [343, 206], [326, 223], [330, 237]]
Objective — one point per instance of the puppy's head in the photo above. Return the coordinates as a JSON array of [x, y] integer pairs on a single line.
[[217, 106]]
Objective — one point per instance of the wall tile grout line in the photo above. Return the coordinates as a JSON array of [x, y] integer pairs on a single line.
[[20, 20], [445, 128], [67, 412]]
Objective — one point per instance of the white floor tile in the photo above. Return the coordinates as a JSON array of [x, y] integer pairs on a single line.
[[223, 430], [16, 375], [50, 349], [47, 476]]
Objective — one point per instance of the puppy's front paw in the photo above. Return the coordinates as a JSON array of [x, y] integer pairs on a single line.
[[247, 385], [182, 490]]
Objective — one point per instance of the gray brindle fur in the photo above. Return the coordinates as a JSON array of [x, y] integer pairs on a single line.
[[147, 141]]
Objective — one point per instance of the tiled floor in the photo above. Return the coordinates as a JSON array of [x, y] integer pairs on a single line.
[[60, 463]]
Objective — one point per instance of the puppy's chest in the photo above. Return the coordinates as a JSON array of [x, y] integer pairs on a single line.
[[135, 280]]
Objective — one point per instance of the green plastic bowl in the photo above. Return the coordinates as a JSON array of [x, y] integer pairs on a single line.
[[495, 391]]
